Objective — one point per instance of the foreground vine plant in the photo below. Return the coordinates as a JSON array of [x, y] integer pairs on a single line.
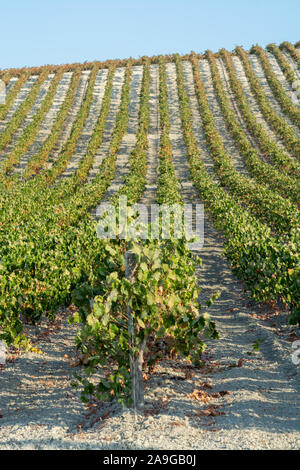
[[162, 296]]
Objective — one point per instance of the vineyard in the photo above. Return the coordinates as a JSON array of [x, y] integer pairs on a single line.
[[218, 129]]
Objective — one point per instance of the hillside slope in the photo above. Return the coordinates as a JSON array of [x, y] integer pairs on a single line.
[[75, 135]]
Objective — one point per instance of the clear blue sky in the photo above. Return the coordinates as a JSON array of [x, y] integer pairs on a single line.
[[38, 32]]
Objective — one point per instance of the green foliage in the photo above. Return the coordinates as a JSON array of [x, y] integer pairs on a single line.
[[30, 131], [168, 185], [256, 345], [287, 46], [284, 65], [270, 266], [48, 242], [163, 298], [38, 161], [285, 185], [21, 112], [279, 125], [277, 212], [287, 106], [12, 94]]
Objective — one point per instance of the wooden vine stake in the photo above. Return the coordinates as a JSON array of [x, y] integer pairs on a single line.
[[136, 359]]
